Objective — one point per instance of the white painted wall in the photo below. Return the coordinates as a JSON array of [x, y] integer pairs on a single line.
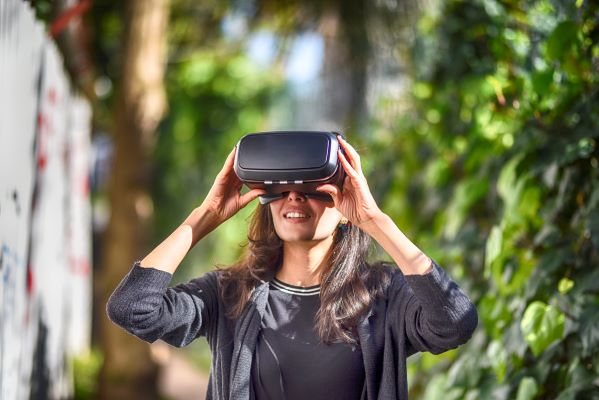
[[45, 213]]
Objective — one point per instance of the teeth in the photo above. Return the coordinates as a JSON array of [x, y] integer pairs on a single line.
[[296, 215]]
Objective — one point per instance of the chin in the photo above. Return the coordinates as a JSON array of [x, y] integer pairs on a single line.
[[303, 237], [296, 238]]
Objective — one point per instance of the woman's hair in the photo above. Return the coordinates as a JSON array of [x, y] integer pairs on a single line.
[[349, 284]]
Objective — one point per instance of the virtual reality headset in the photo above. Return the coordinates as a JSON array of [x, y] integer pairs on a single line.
[[284, 161]]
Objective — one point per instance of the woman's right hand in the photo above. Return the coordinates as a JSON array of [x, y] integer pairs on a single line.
[[221, 203], [224, 198]]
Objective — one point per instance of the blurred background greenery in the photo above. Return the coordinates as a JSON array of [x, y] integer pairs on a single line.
[[477, 122]]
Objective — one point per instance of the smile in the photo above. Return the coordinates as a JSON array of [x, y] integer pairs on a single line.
[[296, 215]]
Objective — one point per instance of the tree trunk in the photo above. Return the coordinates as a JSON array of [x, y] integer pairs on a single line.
[[129, 371], [346, 56]]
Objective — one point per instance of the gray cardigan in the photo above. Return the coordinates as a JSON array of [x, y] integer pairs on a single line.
[[419, 313]]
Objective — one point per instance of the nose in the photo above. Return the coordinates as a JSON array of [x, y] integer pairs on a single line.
[[293, 195]]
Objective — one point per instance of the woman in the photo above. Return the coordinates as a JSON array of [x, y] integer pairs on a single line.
[[302, 315]]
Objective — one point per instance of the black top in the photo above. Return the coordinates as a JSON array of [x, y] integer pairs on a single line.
[[290, 362]]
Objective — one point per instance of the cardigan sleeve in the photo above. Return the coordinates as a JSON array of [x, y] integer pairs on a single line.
[[433, 311], [146, 307]]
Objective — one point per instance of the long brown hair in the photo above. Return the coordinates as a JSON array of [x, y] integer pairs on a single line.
[[349, 284]]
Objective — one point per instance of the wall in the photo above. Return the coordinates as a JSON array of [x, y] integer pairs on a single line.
[[45, 213]]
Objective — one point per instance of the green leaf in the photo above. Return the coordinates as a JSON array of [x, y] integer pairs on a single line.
[[516, 273], [542, 80], [592, 221], [494, 314], [530, 202], [527, 389], [494, 245], [422, 90], [569, 394], [541, 325], [465, 195], [465, 371], [589, 330], [561, 39], [437, 388], [509, 187], [547, 236], [498, 359], [199, 70], [565, 285]]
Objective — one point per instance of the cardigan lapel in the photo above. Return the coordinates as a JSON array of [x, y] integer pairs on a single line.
[[367, 346], [244, 342]]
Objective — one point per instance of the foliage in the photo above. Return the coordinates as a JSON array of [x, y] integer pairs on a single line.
[[497, 178], [86, 369], [493, 170], [215, 97]]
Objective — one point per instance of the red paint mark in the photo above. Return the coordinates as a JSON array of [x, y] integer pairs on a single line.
[[60, 23], [42, 156], [80, 266], [42, 161], [85, 268], [52, 95], [41, 121], [29, 280]]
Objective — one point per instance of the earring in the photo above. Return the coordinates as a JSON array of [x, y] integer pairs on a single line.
[[343, 225]]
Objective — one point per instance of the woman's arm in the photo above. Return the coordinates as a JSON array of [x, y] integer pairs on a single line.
[[409, 258], [168, 255], [222, 202], [356, 203], [145, 306], [431, 309]]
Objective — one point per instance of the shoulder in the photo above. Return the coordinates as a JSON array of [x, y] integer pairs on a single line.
[[207, 283], [385, 279], [209, 277], [405, 285]]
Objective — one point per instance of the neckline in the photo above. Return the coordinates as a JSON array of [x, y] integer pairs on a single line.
[[293, 289]]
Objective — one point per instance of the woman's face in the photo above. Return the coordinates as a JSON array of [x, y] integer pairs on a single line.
[[297, 218]]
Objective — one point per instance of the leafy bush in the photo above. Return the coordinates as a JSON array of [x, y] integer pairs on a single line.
[[498, 158]]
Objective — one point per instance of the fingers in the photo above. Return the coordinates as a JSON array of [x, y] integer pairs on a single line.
[[329, 189], [349, 169], [227, 175], [332, 190], [229, 162], [352, 155], [249, 196]]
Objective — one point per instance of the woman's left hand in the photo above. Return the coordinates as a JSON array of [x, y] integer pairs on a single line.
[[355, 201]]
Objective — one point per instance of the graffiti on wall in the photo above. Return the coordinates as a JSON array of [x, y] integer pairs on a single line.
[[45, 221]]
